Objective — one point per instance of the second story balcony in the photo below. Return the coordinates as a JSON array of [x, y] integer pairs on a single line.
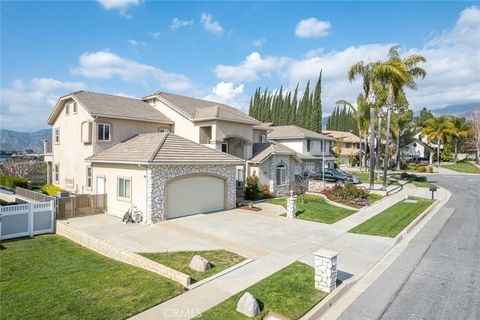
[[47, 147]]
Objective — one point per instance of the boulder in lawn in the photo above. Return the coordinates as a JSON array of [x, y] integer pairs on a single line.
[[199, 264], [248, 305]]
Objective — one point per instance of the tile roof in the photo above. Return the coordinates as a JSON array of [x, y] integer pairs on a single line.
[[261, 151], [109, 105], [347, 136], [161, 147], [295, 132], [197, 109], [106, 105]]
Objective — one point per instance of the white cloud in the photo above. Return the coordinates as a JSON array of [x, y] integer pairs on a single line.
[[120, 5], [257, 43], [155, 34], [251, 68], [228, 93], [25, 105], [135, 43], [210, 25], [453, 67], [106, 65], [312, 28], [179, 23]]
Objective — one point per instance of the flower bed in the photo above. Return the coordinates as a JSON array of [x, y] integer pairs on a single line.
[[349, 195]]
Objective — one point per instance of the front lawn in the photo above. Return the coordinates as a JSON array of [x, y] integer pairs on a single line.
[[315, 209], [394, 219], [50, 277], [418, 181], [291, 292], [464, 167], [219, 259]]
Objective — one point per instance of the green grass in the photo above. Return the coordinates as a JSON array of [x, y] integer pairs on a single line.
[[219, 259], [50, 277], [419, 181], [394, 219], [464, 167], [365, 177], [316, 209], [373, 197], [291, 292]]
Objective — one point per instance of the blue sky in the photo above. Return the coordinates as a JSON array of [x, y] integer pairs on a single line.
[[224, 50]]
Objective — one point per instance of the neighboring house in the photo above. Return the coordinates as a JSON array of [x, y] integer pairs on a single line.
[[312, 148], [274, 164], [418, 149], [138, 151], [349, 146]]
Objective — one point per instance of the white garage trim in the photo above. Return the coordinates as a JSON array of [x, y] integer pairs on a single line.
[[158, 177], [192, 195]]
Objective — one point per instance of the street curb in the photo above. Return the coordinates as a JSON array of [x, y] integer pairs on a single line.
[[329, 300], [318, 312]]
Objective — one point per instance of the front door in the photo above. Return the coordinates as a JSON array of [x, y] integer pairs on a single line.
[[100, 185]]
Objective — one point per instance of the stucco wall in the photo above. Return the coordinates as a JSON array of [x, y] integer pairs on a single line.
[[71, 151], [138, 176], [158, 177]]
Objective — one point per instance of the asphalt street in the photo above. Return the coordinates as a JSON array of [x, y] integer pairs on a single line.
[[438, 274]]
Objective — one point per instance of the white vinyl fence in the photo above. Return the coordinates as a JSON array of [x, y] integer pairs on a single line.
[[29, 219]]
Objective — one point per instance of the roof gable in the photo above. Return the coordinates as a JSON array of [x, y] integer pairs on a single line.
[[200, 110], [295, 132], [110, 106]]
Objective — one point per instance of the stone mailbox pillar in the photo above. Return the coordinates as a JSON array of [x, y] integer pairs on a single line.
[[291, 206], [326, 270]]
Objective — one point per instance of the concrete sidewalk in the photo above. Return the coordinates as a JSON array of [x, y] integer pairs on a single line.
[[358, 253]]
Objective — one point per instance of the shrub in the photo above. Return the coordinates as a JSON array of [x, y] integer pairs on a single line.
[[347, 194], [421, 169], [13, 181], [252, 191], [51, 190], [265, 191]]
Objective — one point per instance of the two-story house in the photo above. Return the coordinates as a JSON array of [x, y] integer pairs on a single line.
[[312, 148], [349, 146], [167, 155]]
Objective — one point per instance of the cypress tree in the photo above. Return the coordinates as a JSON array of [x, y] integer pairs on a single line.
[[317, 105], [301, 117]]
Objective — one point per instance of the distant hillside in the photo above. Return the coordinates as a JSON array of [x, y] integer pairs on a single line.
[[463, 109], [20, 141]]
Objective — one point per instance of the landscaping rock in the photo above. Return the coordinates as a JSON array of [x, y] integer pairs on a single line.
[[248, 305], [411, 201], [199, 264]]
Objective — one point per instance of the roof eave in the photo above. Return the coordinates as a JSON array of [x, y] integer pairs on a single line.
[[130, 118]]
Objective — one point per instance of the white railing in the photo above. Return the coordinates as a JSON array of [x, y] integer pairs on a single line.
[[33, 195], [29, 219]]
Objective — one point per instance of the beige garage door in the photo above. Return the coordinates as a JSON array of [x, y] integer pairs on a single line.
[[194, 194]]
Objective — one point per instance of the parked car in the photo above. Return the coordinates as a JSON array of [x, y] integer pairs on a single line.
[[336, 175], [419, 161]]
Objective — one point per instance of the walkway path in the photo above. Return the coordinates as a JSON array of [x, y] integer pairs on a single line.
[[358, 253]]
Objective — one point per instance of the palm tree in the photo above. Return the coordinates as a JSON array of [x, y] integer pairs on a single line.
[[461, 130], [437, 129]]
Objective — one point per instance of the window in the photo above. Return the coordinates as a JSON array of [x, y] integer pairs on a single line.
[[75, 107], [308, 145], [163, 129], [103, 132], [281, 175], [124, 188], [57, 136], [57, 172], [67, 109], [89, 177], [263, 138], [225, 147]]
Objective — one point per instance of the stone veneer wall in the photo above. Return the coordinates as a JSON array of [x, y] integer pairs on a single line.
[[275, 161], [158, 176]]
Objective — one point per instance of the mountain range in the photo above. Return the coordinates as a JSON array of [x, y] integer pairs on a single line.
[[20, 141], [462, 110]]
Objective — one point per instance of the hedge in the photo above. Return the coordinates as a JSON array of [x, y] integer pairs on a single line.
[[13, 181], [51, 190]]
